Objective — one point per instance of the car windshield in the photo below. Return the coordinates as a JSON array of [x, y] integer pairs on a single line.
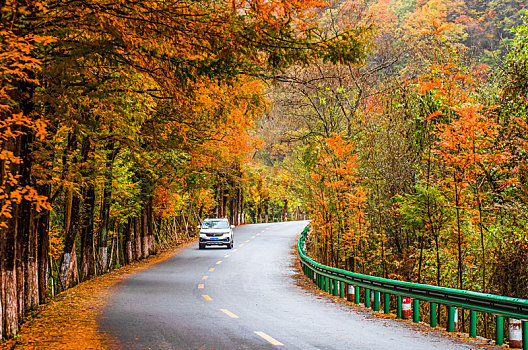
[[215, 224]]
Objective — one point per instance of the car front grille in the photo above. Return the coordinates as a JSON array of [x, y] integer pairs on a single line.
[[214, 234]]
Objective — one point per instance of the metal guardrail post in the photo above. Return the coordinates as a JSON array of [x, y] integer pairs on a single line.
[[367, 298], [337, 290], [472, 323], [450, 318], [356, 295], [386, 303], [416, 310], [376, 300], [499, 330], [432, 315], [342, 288], [399, 307]]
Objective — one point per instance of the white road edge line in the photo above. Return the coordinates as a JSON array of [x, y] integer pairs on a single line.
[[269, 339], [229, 313]]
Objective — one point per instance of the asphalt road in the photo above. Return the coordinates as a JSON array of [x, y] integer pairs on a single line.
[[245, 298]]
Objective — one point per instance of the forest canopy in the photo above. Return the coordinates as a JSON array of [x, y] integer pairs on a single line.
[[398, 127]]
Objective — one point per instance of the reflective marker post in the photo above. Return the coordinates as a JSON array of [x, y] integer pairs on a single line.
[[386, 303]]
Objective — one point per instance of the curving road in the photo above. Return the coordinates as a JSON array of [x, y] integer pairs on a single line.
[[245, 298]]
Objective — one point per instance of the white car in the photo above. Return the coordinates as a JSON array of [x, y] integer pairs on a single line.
[[216, 232]]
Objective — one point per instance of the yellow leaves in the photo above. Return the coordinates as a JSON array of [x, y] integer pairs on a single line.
[[56, 242]]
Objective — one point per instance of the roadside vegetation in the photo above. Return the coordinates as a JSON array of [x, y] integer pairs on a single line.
[[123, 123], [413, 164], [398, 127]]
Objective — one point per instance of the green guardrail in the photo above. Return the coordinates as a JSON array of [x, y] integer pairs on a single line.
[[336, 282]]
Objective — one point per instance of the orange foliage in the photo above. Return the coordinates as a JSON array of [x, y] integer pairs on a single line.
[[18, 65], [338, 213]]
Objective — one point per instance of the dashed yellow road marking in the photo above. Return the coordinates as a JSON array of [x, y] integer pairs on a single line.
[[201, 286], [218, 262], [206, 297], [211, 269], [234, 250], [229, 313], [258, 234], [252, 237], [247, 240], [226, 256], [269, 339], [205, 277], [241, 245]]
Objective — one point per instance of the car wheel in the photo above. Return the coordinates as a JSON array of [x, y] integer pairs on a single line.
[[230, 245], [201, 246]]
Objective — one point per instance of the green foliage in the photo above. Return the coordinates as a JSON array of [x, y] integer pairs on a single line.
[[425, 209]]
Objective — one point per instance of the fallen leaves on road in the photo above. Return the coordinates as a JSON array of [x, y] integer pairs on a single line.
[[69, 321]]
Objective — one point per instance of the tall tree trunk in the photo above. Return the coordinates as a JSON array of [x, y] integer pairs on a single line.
[[242, 204], [138, 254], [68, 269], [420, 261], [144, 233], [150, 227], [43, 221], [31, 265], [105, 208], [8, 241], [128, 243], [459, 234], [221, 211], [68, 273], [87, 234]]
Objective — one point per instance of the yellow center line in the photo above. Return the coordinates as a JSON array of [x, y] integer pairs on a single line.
[[269, 339], [205, 277], [206, 297], [211, 269], [252, 237], [229, 313], [234, 250], [226, 256], [241, 245], [247, 240], [201, 286], [258, 234], [218, 262]]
